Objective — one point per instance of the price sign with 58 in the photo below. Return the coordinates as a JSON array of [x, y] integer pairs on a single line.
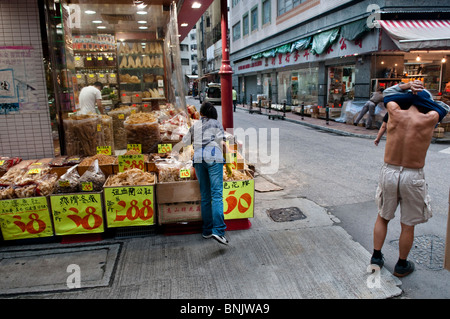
[[77, 214], [25, 218], [164, 148], [105, 150]]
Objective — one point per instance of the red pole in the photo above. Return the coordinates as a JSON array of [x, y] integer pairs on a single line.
[[226, 71]]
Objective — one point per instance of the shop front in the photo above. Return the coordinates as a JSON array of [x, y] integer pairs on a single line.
[[119, 164]]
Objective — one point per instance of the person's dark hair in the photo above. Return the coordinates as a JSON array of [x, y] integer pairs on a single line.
[[208, 110], [99, 84]]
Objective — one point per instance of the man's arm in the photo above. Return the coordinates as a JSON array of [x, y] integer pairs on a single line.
[[100, 106]]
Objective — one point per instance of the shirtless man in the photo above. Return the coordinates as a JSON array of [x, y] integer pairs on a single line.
[[402, 178]]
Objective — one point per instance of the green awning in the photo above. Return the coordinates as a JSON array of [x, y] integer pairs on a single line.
[[257, 56], [322, 41], [283, 49], [269, 53], [354, 30], [300, 44]]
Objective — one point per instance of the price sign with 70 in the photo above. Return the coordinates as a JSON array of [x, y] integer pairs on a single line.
[[129, 206]]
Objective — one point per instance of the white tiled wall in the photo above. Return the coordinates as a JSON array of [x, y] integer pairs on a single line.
[[26, 134]]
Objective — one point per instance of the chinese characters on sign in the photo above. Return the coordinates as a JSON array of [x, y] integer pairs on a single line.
[[77, 213], [129, 206], [25, 218]]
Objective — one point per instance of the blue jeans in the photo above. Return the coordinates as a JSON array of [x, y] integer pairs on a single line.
[[210, 177]]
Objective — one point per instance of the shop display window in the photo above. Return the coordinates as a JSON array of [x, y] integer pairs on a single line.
[[341, 83]]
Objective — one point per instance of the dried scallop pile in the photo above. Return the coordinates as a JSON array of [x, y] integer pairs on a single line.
[[131, 177], [236, 176]]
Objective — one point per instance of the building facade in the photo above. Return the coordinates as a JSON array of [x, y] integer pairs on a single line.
[[328, 52]]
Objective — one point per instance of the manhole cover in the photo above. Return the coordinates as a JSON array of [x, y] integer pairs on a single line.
[[427, 250], [286, 214]]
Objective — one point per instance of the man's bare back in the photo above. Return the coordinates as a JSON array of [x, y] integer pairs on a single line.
[[409, 135]]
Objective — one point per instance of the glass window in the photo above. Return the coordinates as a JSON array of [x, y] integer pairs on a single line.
[[286, 5], [237, 31], [298, 86], [266, 12], [254, 17], [245, 24]]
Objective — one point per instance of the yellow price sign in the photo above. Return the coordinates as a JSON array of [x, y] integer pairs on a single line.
[[34, 171], [87, 187], [238, 199], [185, 173], [121, 116], [2, 162], [131, 161], [77, 214], [105, 150], [164, 148], [99, 127], [232, 158], [129, 206], [25, 218], [134, 147]]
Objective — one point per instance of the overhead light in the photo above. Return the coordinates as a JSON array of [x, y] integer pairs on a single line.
[[142, 21], [196, 5], [96, 21], [143, 28], [418, 58], [101, 27], [141, 12], [444, 60], [90, 12], [184, 25]]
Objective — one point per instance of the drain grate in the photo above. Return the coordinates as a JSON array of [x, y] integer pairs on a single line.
[[427, 250], [288, 214]]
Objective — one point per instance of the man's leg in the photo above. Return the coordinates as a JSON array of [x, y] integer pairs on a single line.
[[404, 267], [406, 240], [363, 111], [379, 232], [371, 117]]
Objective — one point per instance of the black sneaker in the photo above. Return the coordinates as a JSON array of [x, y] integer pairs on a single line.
[[220, 239], [402, 271], [377, 261]]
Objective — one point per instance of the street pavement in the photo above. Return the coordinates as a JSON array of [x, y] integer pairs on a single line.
[[309, 258]]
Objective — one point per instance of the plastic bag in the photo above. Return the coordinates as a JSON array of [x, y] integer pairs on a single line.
[[93, 179], [69, 182], [46, 184], [7, 162], [172, 170], [145, 133]]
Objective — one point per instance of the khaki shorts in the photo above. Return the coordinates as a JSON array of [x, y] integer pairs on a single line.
[[407, 187]]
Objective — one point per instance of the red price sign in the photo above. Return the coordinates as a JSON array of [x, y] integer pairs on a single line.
[[25, 218], [129, 206], [77, 214], [131, 161], [238, 199]]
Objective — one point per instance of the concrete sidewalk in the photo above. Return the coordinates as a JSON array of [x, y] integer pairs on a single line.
[[307, 258]]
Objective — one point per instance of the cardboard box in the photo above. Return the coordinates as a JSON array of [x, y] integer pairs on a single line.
[[179, 212], [178, 192]]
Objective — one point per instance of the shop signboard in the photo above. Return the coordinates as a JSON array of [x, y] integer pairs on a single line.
[[130, 205], [25, 218], [238, 199], [77, 213], [341, 48]]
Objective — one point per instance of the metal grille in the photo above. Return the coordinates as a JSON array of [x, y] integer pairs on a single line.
[[427, 250], [288, 214]]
